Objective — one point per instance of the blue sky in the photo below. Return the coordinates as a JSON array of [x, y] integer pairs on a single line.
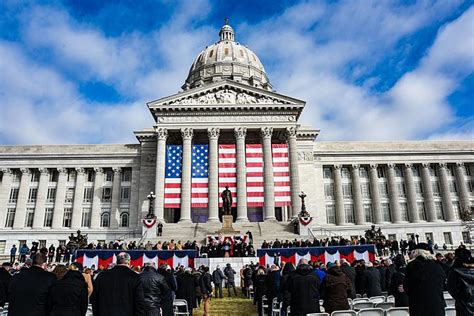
[[81, 71]]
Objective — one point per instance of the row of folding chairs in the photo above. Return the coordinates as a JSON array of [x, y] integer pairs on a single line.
[[395, 311], [180, 307]]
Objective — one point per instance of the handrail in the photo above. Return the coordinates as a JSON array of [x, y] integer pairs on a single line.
[[311, 233], [142, 238], [195, 229], [259, 228], [128, 234]]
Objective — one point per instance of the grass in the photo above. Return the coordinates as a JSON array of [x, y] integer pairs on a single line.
[[229, 306]]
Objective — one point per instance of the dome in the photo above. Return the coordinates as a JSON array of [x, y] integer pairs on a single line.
[[227, 59]]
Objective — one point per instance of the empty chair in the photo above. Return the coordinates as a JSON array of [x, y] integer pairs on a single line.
[[264, 304], [276, 307], [390, 298], [450, 301], [397, 311], [447, 295], [358, 296], [385, 305], [361, 305], [361, 299], [180, 307], [450, 311], [377, 299], [344, 313], [371, 312], [318, 314]]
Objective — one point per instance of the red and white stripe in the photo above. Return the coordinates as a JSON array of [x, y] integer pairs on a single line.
[[172, 192], [281, 174], [199, 192], [254, 157], [228, 171]]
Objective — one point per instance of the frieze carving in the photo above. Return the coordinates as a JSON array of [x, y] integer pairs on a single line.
[[240, 132], [305, 156], [187, 133], [213, 132], [266, 118], [226, 96], [161, 133]]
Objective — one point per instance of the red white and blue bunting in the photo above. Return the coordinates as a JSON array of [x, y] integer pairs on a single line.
[[305, 221], [149, 222], [103, 258], [323, 254]]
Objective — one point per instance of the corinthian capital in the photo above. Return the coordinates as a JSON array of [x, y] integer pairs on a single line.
[[80, 170], [161, 133], [62, 170], [187, 133], [213, 132], [291, 131], [43, 170], [408, 165], [98, 170], [266, 131], [6, 171], [240, 132], [25, 171], [443, 165]]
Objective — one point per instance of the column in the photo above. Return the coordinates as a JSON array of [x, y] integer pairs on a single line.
[[428, 192], [135, 216], [338, 195], [240, 133], [375, 194], [294, 172], [357, 196], [187, 135], [269, 185], [411, 194], [393, 191], [213, 170], [445, 193], [161, 136], [78, 199], [97, 199], [38, 218], [20, 213], [462, 186], [5, 188], [115, 202], [59, 199]]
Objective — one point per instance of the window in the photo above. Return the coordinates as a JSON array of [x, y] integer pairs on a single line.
[[30, 213], [16, 176], [467, 170], [67, 217], [433, 172], [466, 237], [327, 173], [429, 236], [53, 176], [90, 175], [383, 189], [452, 187], [62, 242], [88, 195], [126, 175], [456, 209], [71, 176], [345, 173], [416, 171], [404, 212], [435, 187], [346, 190], [392, 237], [69, 195], [13, 195], [51, 195], [418, 188], [86, 217], [363, 172], [329, 191], [365, 190], [106, 194], [35, 175], [450, 170], [401, 189], [368, 213], [32, 195], [349, 212], [421, 210], [10, 217], [398, 172], [105, 219], [331, 214], [125, 195], [448, 239], [109, 176], [124, 219], [385, 212], [48, 217], [381, 172], [439, 210]]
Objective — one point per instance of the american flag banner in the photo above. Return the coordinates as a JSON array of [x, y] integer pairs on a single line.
[[200, 176], [227, 171], [254, 157], [281, 174], [174, 158]]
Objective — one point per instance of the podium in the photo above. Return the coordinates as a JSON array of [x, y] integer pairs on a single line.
[[304, 225], [149, 227]]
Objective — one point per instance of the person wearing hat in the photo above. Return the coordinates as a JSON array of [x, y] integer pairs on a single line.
[[424, 283], [461, 282], [229, 273], [68, 296], [335, 289]]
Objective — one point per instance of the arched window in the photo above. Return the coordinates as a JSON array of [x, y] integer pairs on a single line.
[[124, 219], [105, 220]]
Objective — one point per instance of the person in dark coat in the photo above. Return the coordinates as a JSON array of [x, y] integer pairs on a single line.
[[229, 273], [68, 296], [218, 277], [206, 289], [287, 273], [167, 300], [350, 272], [154, 289], [397, 283], [118, 291], [383, 274], [335, 289], [272, 284], [303, 287], [28, 290], [197, 275], [5, 278], [260, 290], [373, 281], [187, 289], [424, 284], [361, 277], [461, 282]]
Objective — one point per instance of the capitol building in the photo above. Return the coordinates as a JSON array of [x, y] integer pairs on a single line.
[[228, 127]]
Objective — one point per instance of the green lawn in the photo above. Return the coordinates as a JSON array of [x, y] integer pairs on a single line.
[[230, 306]]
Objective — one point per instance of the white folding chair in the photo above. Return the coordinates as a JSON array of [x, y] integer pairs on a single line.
[[450, 301], [377, 299], [318, 314], [390, 298], [276, 307], [264, 304], [371, 312], [361, 299], [397, 311], [178, 305], [447, 295], [344, 313], [385, 305], [362, 305], [358, 296], [450, 311]]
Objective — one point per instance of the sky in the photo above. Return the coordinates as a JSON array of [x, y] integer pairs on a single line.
[[82, 71]]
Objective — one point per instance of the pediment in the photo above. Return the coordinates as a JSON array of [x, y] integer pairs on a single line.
[[225, 93]]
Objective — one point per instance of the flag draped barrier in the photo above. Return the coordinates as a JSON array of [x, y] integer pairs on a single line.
[[173, 258], [324, 254]]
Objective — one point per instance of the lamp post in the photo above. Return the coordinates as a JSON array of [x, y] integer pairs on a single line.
[[151, 197]]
